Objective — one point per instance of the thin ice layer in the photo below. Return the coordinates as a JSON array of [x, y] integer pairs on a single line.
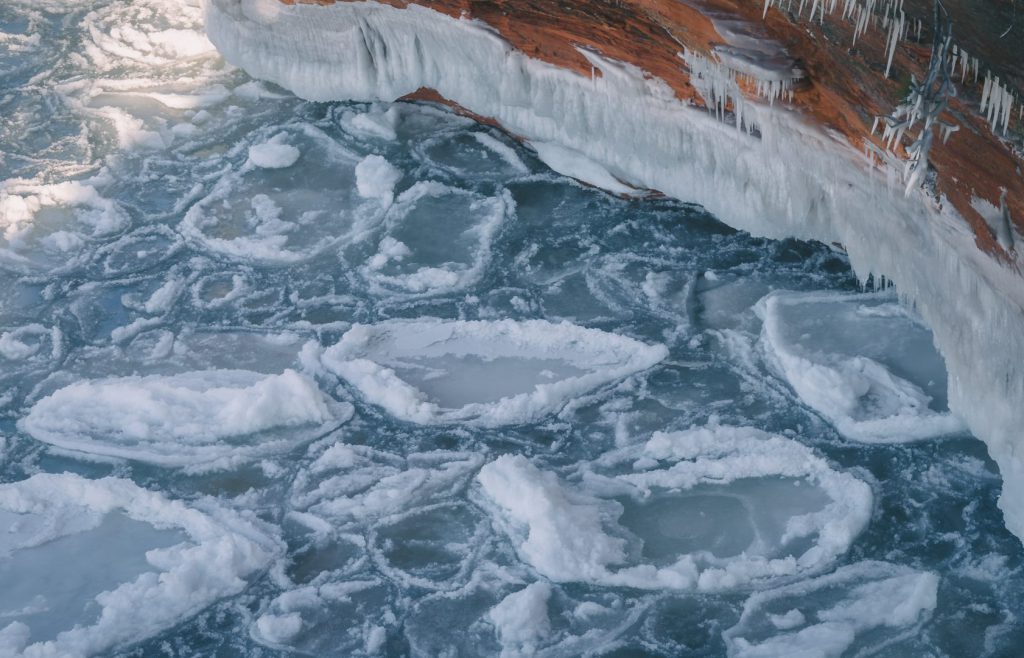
[[713, 508], [142, 563], [789, 180], [863, 607], [208, 419], [496, 373], [862, 362]]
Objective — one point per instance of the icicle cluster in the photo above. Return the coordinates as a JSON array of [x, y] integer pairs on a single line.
[[927, 100], [996, 103], [719, 86]]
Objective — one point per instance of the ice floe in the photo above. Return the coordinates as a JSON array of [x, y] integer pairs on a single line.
[[708, 509], [486, 373], [866, 606], [200, 420], [862, 362], [437, 238], [90, 566], [259, 212]]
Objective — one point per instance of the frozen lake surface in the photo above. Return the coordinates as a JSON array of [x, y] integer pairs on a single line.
[[349, 379]]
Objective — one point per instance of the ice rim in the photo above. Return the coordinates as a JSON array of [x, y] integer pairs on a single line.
[[792, 180]]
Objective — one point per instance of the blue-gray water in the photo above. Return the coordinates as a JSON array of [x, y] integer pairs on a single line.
[[127, 99]]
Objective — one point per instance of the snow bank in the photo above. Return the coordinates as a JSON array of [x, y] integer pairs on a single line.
[[790, 181], [482, 373], [872, 603], [195, 419], [841, 354], [711, 509], [138, 563]]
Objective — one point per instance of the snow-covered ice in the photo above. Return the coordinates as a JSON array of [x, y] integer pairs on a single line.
[[431, 371], [711, 508], [203, 419]]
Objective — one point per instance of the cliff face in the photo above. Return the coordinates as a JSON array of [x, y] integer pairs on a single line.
[[875, 124], [832, 57]]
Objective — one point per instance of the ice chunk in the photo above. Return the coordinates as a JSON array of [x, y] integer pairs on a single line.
[[862, 362], [521, 619], [376, 179], [103, 563], [863, 607], [273, 155], [709, 509], [446, 234], [482, 373], [200, 419]]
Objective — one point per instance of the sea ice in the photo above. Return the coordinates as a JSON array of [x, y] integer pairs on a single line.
[[868, 605], [199, 420], [92, 565], [483, 373], [709, 509], [862, 362]]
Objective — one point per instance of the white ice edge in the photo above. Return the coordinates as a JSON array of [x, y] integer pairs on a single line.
[[793, 181]]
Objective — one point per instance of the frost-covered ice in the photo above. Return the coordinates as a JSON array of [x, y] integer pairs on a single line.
[[710, 508], [862, 362], [482, 373], [92, 565], [204, 419], [877, 603]]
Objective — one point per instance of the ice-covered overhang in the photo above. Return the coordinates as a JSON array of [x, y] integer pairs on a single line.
[[776, 123]]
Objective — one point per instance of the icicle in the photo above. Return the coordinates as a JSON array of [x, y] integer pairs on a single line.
[[894, 36]]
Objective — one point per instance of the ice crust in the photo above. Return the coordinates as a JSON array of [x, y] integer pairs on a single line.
[[578, 532], [200, 420], [790, 180], [487, 373], [862, 362], [876, 603], [169, 562]]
